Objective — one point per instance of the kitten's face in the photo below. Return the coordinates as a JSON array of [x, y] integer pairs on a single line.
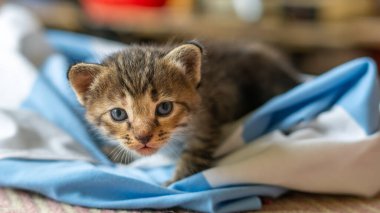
[[140, 96]]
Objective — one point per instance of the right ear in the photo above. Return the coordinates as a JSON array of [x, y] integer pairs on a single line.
[[188, 56], [81, 76]]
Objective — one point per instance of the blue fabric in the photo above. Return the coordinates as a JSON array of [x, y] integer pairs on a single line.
[[104, 185], [353, 86], [75, 47]]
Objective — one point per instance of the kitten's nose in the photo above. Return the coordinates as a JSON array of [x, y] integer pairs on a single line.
[[144, 139]]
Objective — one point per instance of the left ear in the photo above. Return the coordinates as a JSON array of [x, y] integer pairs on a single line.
[[189, 57], [81, 76]]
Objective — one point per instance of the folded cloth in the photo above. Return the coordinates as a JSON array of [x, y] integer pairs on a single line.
[[321, 136]]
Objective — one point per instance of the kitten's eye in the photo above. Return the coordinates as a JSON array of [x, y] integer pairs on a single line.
[[118, 114], [164, 108]]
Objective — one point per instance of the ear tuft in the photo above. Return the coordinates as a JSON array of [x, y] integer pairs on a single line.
[[189, 57], [81, 76]]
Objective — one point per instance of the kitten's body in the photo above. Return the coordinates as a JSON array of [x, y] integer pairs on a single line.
[[207, 91]]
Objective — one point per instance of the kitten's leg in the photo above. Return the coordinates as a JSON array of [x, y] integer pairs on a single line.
[[198, 153]]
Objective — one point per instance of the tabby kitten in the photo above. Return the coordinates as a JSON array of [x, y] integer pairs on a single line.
[[143, 95]]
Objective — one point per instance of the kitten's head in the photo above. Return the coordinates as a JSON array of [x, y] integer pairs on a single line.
[[142, 95]]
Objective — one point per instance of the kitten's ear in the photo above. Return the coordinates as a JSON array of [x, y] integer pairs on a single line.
[[81, 77], [188, 56]]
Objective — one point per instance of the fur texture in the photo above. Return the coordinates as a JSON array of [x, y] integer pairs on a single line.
[[206, 90]]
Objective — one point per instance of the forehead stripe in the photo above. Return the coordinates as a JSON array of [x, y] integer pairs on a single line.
[[154, 95]]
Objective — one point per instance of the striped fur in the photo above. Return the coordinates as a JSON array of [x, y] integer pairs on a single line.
[[207, 90]]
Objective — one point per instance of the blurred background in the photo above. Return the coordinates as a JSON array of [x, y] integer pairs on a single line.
[[317, 34]]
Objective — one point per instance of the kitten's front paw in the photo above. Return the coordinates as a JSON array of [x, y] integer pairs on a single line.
[[189, 165], [174, 179], [169, 182]]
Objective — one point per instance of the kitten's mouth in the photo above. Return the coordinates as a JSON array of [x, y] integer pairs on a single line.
[[146, 150]]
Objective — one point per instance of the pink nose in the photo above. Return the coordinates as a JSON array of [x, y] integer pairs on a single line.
[[144, 139]]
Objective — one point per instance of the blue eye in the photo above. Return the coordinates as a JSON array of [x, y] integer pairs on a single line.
[[164, 108], [119, 114]]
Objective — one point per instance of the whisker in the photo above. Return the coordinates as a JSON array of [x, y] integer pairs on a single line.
[[112, 152], [118, 155], [125, 160]]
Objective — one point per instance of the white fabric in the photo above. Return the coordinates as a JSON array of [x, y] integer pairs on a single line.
[[44, 140], [306, 159], [15, 23]]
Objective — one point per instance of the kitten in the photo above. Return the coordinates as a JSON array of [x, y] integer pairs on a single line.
[[143, 95]]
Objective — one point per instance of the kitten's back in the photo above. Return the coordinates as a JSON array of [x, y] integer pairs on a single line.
[[237, 79]]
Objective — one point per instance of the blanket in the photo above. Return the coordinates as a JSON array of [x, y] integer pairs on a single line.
[[294, 142]]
